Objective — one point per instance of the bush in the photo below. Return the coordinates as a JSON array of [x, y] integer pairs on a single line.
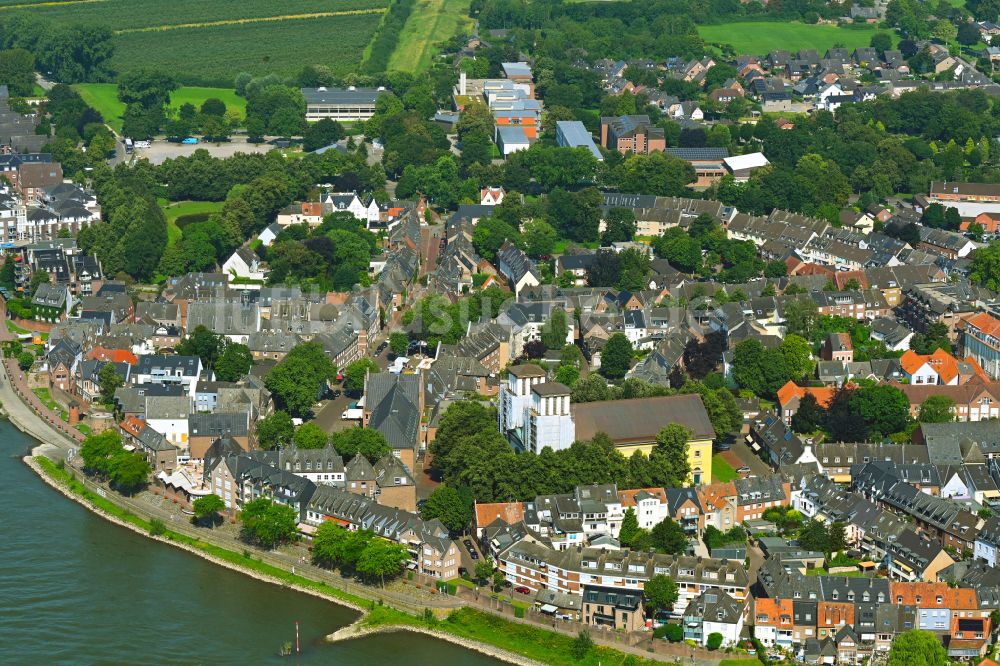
[[673, 632], [714, 641], [582, 645], [518, 611], [157, 527]]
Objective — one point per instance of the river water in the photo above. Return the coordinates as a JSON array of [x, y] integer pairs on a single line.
[[76, 589]]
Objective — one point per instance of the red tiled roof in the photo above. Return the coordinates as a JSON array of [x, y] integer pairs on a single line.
[[792, 390], [627, 497], [508, 512]]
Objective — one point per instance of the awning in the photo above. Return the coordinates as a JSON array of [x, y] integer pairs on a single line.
[[841, 478], [549, 608]]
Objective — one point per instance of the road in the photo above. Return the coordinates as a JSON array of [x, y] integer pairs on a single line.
[[328, 415]]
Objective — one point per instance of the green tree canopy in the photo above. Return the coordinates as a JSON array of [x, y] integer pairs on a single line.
[[365, 441], [298, 379], [310, 436], [451, 507], [267, 524], [275, 430], [937, 409], [917, 648], [234, 363], [660, 592], [616, 357]]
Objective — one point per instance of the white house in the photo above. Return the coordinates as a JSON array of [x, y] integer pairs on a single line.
[[987, 540], [244, 264], [168, 415], [491, 196], [270, 232], [350, 202], [711, 612], [172, 369]]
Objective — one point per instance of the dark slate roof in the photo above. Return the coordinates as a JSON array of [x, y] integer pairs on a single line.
[[394, 401]]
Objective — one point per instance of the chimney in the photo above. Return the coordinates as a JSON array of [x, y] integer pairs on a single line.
[[461, 83]]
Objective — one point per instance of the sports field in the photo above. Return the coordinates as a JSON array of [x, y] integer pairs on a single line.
[[759, 38], [208, 43], [431, 22]]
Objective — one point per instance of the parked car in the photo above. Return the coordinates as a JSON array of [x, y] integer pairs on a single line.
[[521, 589], [743, 470], [337, 393], [190, 141]]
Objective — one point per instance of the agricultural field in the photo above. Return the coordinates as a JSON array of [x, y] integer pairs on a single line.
[[759, 38], [431, 22], [208, 43], [104, 98]]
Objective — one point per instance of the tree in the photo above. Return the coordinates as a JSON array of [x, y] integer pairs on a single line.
[[25, 360], [275, 431], [355, 374], [539, 237], [616, 358], [885, 409], [17, 71], [555, 330], [673, 633], [108, 380], [97, 451], [207, 508], [364, 441], [484, 570], [382, 558], [322, 133], [582, 645], [937, 409], [660, 592], [836, 537], [298, 380], [605, 270], [670, 455], [814, 536], [809, 416], [328, 544], [310, 436], [714, 641], [128, 471], [798, 356], [267, 524], [398, 343], [881, 42], [234, 363], [917, 648], [801, 316], [620, 226], [629, 529], [762, 371], [934, 338], [449, 506], [985, 268], [204, 344], [668, 537], [490, 233]]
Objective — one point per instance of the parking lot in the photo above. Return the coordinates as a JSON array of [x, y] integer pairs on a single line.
[[162, 150]]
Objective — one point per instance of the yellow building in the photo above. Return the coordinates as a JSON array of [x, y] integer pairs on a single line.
[[634, 424]]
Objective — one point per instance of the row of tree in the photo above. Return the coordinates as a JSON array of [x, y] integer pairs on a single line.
[[104, 456], [469, 452], [357, 551]]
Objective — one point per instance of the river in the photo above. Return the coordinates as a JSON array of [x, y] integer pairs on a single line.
[[76, 589]]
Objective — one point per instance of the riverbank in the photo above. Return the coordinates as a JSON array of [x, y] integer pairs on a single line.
[[471, 629]]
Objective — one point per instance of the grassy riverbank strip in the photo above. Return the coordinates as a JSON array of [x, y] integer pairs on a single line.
[[492, 635]]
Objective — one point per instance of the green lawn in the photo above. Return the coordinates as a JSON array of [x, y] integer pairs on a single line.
[[14, 328], [430, 22], [844, 574], [182, 208], [722, 472], [761, 37], [104, 98]]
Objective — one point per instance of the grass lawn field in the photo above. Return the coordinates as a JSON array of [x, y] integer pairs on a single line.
[[722, 472], [182, 208], [104, 98], [431, 22], [759, 38]]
